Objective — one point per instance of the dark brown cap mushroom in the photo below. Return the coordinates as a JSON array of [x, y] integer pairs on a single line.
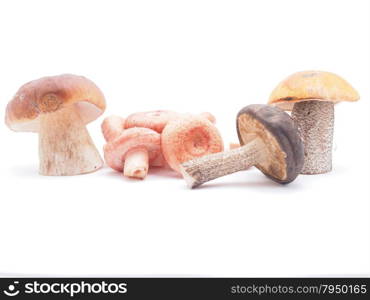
[[311, 96], [270, 141], [58, 108]]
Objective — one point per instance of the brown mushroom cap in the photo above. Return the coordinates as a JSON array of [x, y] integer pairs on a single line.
[[312, 85], [284, 157], [49, 94], [136, 137]]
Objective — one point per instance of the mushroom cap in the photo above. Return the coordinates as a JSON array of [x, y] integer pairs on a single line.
[[189, 137], [49, 94], [284, 148], [312, 85], [156, 119], [115, 151]]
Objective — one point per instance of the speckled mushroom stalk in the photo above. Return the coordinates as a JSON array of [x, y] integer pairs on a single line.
[[269, 140], [315, 120], [65, 146], [209, 167]]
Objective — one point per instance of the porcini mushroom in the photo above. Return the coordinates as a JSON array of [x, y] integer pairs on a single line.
[[133, 151], [270, 142], [189, 137], [158, 119], [58, 108], [311, 96]]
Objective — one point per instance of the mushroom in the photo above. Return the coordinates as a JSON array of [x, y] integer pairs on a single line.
[[133, 151], [112, 127], [311, 96], [58, 108], [158, 119], [270, 141], [189, 137]]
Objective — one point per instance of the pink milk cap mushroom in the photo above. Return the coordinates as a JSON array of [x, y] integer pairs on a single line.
[[133, 151], [58, 109], [155, 120], [158, 119], [112, 127], [187, 138]]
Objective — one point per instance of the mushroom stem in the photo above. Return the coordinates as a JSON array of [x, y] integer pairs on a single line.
[[136, 163], [315, 120], [209, 167], [65, 146]]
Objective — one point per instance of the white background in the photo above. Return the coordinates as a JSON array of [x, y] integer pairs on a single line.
[[189, 56]]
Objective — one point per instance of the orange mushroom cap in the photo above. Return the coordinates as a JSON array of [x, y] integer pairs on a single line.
[[312, 85]]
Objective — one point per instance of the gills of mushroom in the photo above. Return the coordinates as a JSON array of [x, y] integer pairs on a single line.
[[187, 138], [311, 96], [270, 141], [133, 151], [58, 108]]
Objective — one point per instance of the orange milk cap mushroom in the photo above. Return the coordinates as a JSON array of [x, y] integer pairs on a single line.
[[189, 137]]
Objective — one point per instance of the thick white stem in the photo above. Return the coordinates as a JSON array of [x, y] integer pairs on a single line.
[[65, 146], [209, 167], [136, 163], [315, 120]]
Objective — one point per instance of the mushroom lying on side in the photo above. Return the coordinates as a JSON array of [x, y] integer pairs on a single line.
[[270, 141], [131, 150], [58, 108], [311, 96]]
